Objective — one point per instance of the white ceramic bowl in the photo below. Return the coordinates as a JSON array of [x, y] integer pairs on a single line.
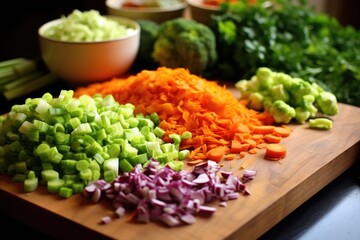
[[156, 14], [81, 63]]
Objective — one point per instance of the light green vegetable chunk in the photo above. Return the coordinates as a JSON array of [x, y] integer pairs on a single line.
[[320, 123], [286, 97]]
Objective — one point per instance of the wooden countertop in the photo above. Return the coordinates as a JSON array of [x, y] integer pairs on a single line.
[[314, 159]]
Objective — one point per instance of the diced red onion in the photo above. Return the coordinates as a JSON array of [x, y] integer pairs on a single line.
[[172, 197], [106, 219]]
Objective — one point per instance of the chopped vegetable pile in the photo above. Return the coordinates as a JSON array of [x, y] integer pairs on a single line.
[[67, 142], [161, 194], [87, 26], [185, 102], [285, 97]]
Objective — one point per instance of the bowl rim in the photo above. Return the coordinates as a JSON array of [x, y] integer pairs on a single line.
[[199, 4], [180, 6], [129, 22]]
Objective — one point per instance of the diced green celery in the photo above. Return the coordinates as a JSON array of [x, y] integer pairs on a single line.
[[54, 185], [114, 150], [159, 132], [133, 122], [85, 174], [65, 192], [186, 135], [109, 176], [49, 174], [111, 164], [138, 159], [69, 166], [31, 184], [78, 187], [155, 118], [95, 175], [41, 125], [46, 165], [17, 118], [93, 165], [125, 166], [176, 165], [82, 165], [183, 154]]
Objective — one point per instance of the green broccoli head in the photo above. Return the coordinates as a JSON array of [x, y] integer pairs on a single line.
[[302, 115], [264, 76], [185, 43], [307, 102], [299, 89], [282, 112], [327, 103]]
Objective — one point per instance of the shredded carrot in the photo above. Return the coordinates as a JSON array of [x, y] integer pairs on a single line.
[[275, 151], [185, 102], [132, 215], [246, 163]]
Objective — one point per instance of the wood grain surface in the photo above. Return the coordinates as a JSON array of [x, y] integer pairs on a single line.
[[314, 159]]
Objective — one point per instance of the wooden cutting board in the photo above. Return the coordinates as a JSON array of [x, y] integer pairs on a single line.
[[314, 159]]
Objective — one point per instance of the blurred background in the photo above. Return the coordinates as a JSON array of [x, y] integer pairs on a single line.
[[19, 21]]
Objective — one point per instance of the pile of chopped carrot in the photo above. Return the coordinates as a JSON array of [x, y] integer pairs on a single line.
[[220, 125]]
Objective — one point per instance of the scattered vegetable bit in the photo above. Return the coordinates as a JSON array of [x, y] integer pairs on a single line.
[[320, 123], [275, 151]]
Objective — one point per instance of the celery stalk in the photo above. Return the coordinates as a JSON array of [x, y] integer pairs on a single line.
[[30, 86]]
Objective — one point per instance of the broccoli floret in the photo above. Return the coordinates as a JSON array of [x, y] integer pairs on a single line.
[[327, 103], [282, 112], [307, 103], [185, 43], [302, 115], [278, 92], [255, 101], [264, 76]]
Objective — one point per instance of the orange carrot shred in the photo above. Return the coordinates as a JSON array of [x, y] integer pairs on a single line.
[[186, 102], [246, 163]]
